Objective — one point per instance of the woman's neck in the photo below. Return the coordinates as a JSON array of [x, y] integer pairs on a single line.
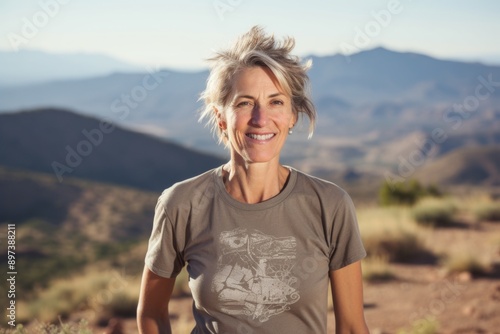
[[256, 182]]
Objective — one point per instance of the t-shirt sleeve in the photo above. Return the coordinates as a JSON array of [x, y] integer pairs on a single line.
[[346, 246], [163, 257]]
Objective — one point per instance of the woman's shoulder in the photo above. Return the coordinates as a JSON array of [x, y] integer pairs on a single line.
[[318, 182], [188, 189], [323, 192], [319, 186]]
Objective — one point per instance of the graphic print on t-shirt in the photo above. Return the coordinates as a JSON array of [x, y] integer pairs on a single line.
[[254, 274]]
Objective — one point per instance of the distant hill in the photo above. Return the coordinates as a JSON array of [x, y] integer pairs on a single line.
[[71, 145], [475, 166], [371, 107], [371, 76], [384, 75], [33, 66]]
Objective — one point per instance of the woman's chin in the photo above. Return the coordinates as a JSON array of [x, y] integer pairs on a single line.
[[258, 157]]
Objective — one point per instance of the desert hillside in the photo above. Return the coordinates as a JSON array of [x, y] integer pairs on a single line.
[[475, 166], [65, 144], [64, 227]]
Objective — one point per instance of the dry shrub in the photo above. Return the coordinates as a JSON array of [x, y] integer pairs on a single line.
[[458, 262], [122, 304], [390, 233], [376, 269], [44, 328], [434, 212], [397, 246], [487, 211], [59, 300], [427, 325], [107, 293]]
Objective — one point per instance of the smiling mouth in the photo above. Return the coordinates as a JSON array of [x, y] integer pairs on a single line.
[[260, 137]]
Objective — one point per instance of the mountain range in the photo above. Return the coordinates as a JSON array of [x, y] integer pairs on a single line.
[[465, 166], [375, 109]]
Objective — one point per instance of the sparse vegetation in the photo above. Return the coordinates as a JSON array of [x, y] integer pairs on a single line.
[[465, 262], [390, 233], [397, 246], [44, 328], [93, 223], [434, 212], [376, 269], [405, 193], [487, 211], [122, 304], [108, 294], [427, 325]]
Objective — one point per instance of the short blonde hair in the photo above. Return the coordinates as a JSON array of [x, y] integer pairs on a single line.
[[255, 48]]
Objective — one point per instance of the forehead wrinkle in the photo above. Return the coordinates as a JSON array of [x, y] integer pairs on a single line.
[[270, 96], [267, 70]]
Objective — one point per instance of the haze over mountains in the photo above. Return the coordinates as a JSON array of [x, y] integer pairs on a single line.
[[377, 109], [33, 66]]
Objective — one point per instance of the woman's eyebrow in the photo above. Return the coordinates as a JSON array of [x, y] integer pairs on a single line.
[[253, 98], [244, 96], [275, 94]]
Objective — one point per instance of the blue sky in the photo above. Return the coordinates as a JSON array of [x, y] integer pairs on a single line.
[[181, 33]]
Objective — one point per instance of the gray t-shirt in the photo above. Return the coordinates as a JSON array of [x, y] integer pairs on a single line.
[[255, 268]]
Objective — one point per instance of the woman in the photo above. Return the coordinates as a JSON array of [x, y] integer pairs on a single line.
[[261, 240]]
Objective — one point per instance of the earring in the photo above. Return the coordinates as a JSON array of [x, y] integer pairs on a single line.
[[290, 131]]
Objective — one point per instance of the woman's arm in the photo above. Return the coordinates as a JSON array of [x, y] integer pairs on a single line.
[[152, 310], [347, 293]]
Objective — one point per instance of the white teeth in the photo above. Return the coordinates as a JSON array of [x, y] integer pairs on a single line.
[[260, 137]]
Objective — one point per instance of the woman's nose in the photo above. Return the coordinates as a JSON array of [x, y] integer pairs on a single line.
[[259, 116]]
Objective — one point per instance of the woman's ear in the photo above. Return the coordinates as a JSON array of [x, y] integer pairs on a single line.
[[221, 121], [293, 120]]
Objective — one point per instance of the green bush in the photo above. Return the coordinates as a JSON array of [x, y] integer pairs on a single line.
[[405, 193], [433, 212]]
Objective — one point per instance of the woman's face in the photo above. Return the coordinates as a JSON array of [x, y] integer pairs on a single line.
[[258, 116]]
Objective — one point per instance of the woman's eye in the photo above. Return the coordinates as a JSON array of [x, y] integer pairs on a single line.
[[243, 104], [277, 102]]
